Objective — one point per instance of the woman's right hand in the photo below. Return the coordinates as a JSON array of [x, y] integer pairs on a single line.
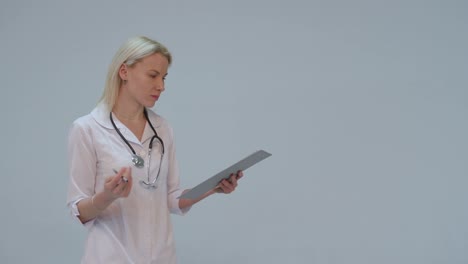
[[119, 185], [116, 186]]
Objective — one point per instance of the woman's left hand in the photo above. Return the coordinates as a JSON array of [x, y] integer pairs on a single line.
[[224, 186], [229, 185]]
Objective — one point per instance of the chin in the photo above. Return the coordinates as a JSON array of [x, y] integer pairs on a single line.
[[149, 104]]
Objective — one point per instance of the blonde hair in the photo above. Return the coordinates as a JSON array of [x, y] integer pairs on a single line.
[[132, 51]]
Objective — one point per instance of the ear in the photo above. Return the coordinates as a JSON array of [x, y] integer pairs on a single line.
[[123, 71]]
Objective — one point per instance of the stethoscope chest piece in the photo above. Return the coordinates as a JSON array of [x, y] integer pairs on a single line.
[[149, 186], [138, 161]]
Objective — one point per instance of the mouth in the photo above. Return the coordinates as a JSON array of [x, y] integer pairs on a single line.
[[155, 97]]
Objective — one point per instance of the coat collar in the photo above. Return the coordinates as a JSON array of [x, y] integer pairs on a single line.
[[101, 115]]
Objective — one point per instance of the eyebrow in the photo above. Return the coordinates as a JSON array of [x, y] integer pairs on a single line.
[[158, 72]]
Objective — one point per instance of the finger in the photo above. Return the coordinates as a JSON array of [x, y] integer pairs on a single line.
[[124, 176], [111, 183], [128, 183], [127, 175], [109, 179], [128, 188], [227, 186], [218, 188], [120, 189], [222, 189], [226, 183], [233, 180], [123, 183], [118, 177], [240, 174]]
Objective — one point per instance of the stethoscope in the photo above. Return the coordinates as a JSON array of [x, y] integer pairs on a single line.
[[137, 160]]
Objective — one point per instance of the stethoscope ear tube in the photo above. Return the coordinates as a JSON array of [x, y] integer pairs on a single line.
[[138, 160]]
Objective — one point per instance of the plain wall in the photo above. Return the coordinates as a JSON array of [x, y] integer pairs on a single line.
[[363, 104]]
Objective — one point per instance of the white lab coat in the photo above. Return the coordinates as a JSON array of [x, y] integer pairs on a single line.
[[136, 229]]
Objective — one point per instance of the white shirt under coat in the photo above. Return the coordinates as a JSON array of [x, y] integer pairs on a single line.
[[136, 229]]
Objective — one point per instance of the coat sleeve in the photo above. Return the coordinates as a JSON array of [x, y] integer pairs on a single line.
[[82, 162], [173, 182]]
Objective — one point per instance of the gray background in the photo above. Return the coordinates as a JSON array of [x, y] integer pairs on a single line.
[[363, 104]]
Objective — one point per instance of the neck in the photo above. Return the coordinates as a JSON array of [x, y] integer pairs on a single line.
[[137, 116], [128, 110]]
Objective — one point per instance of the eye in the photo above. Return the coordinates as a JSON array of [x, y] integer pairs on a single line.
[[152, 76]]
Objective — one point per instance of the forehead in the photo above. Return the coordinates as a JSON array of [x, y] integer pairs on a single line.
[[155, 61]]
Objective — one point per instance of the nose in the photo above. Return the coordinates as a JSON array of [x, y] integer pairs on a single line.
[[160, 85]]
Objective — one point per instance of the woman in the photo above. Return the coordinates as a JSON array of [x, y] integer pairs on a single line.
[[124, 179]]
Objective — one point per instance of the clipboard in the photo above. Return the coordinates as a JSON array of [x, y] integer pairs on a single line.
[[212, 182]]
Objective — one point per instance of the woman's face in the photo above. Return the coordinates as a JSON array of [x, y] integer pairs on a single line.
[[145, 79]]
